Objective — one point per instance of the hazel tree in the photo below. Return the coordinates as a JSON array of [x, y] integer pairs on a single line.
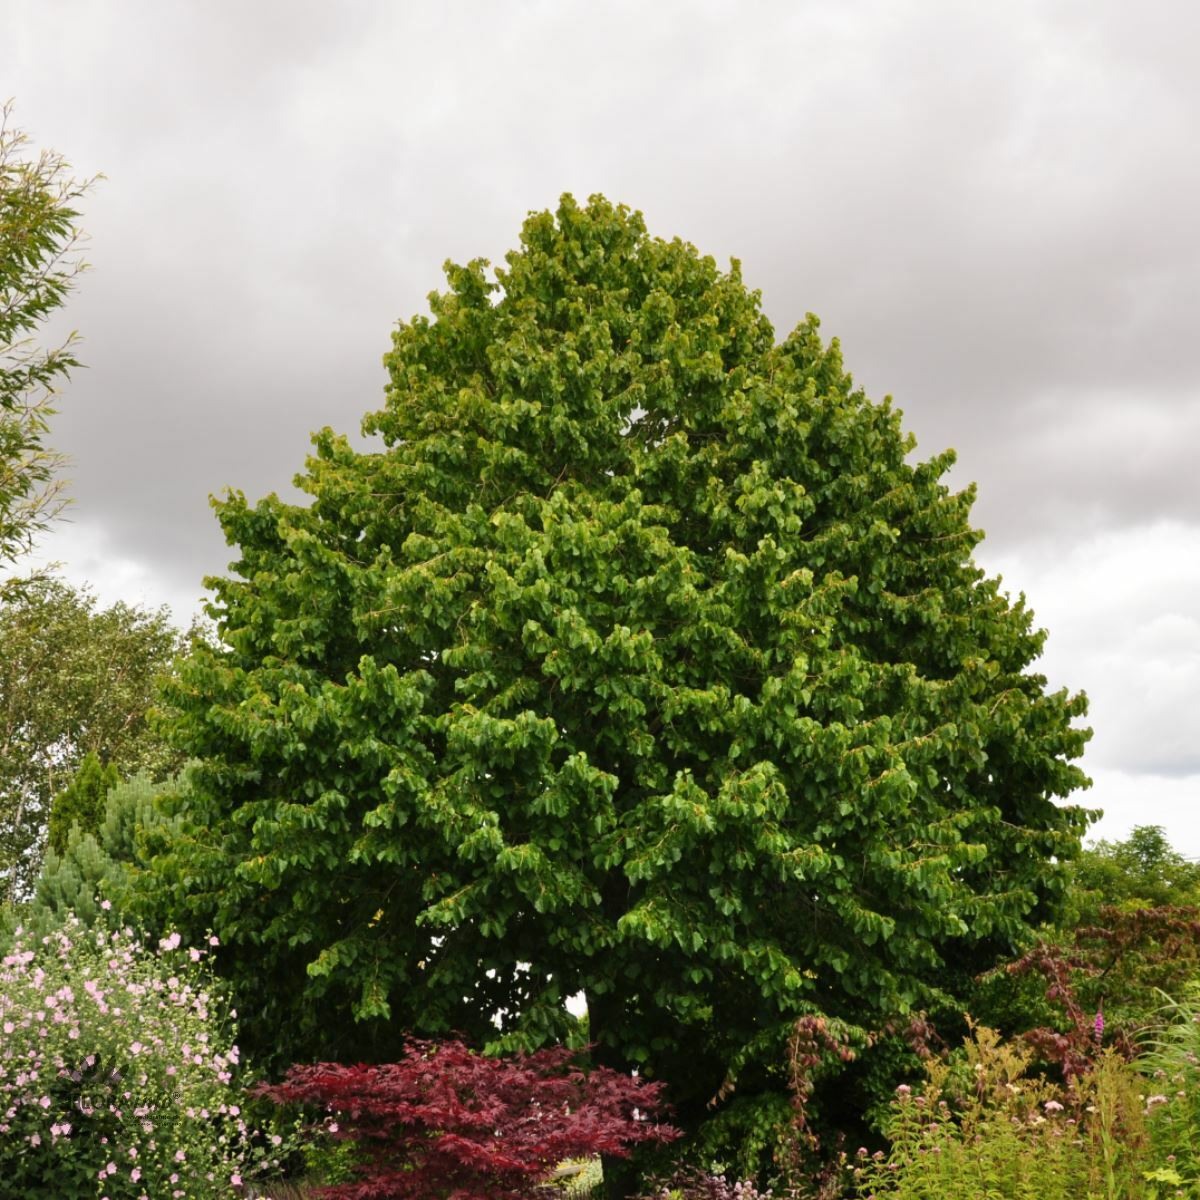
[[637, 660]]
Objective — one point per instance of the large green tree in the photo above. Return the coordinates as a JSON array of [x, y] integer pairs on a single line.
[[639, 661], [39, 263], [75, 678]]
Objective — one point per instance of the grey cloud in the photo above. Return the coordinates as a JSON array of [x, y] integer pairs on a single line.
[[993, 206], [1123, 612]]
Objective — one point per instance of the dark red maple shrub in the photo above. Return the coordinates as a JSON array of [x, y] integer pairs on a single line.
[[444, 1122]]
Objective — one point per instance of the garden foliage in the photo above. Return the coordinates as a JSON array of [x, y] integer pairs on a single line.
[[103, 865], [444, 1121], [985, 1128], [1171, 1066], [692, 1183], [1129, 932], [638, 658]]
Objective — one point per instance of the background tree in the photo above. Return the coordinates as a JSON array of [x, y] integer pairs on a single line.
[[74, 678], [640, 661], [39, 263], [1142, 870], [80, 805], [101, 865]]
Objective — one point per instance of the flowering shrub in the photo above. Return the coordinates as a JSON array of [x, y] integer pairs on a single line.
[[116, 1076], [444, 1121]]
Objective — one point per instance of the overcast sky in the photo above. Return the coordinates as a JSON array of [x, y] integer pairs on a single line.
[[994, 206]]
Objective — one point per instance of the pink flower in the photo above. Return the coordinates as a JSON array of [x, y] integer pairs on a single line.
[[106, 905], [1098, 1025]]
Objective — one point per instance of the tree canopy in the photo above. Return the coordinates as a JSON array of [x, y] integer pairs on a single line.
[[638, 659], [74, 678]]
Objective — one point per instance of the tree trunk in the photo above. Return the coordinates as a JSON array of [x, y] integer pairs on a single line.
[[620, 1177]]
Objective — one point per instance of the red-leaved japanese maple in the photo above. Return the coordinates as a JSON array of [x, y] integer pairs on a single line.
[[446, 1122]]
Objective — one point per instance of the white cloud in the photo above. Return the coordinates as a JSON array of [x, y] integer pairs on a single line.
[[1123, 613], [84, 554], [1128, 800]]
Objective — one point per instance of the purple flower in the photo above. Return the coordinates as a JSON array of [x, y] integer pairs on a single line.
[[1098, 1026]]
